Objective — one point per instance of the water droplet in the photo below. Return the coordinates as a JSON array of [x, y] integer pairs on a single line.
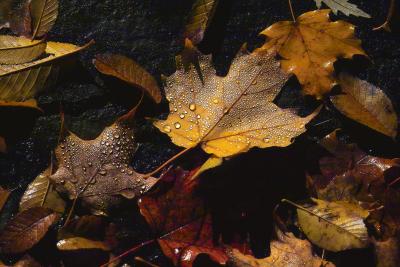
[[177, 125], [266, 139], [90, 164], [192, 107], [226, 110], [116, 136], [130, 172], [102, 172], [254, 82], [167, 128], [84, 169], [198, 116], [62, 146], [215, 101], [182, 116], [92, 181]]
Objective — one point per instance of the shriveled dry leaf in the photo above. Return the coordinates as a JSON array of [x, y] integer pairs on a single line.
[[287, 251], [343, 6], [334, 226], [18, 50], [40, 193], [129, 71], [4, 194], [20, 83], [78, 243], [310, 46], [26, 229], [366, 104], [44, 15], [387, 252], [3, 145], [199, 19], [97, 171], [229, 115]]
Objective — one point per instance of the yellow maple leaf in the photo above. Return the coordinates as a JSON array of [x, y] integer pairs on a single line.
[[230, 115], [310, 45]]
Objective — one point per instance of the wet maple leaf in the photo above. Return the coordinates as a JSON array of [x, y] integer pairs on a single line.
[[96, 171], [179, 218], [309, 47], [286, 251], [229, 115]]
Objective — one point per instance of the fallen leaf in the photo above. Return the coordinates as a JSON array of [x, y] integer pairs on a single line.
[[387, 253], [199, 19], [27, 261], [343, 6], [88, 226], [286, 251], [97, 171], [21, 82], [310, 46], [129, 71], [78, 243], [178, 217], [18, 50], [3, 145], [40, 193], [334, 226], [26, 229], [44, 14], [4, 194], [229, 115], [366, 104]]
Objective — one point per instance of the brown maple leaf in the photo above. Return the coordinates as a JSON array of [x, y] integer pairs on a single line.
[[97, 171]]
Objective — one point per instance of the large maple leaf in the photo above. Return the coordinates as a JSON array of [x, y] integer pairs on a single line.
[[231, 114]]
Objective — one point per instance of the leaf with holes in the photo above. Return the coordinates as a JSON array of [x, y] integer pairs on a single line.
[[44, 15], [26, 229], [310, 46], [229, 115]]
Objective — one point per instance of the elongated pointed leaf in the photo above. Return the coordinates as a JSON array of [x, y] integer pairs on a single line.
[[17, 50], [78, 243], [44, 14], [22, 82], [343, 6], [40, 193], [26, 229]]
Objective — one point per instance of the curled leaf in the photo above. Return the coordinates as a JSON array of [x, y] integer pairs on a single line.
[[18, 50], [366, 104], [310, 46], [44, 14], [129, 71], [229, 115], [26, 229]]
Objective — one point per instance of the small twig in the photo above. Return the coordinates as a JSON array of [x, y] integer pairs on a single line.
[[386, 25], [291, 10]]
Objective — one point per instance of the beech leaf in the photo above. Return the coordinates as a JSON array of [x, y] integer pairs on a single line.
[[334, 226], [310, 46], [229, 115], [40, 193], [343, 6], [366, 104], [129, 71], [18, 50], [97, 171], [44, 15], [26, 229]]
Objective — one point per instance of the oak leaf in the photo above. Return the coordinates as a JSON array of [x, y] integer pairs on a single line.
[[18, 50], [343, 6], [129, 71], [26, 229], [97, 171], [286, 251], [309, 47], [230, 115], [44, 14], [366, 104], [334, 226]]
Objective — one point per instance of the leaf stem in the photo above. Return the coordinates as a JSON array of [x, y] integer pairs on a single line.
[[386, 25], [291, 10], [71, 211], [167, 162]]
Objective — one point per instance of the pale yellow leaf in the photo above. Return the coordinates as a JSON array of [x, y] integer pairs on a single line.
[[44, 14], [17, 50]]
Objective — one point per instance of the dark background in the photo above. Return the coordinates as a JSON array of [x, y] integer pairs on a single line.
[[150, 32]]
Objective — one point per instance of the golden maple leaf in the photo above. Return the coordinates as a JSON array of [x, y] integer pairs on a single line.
[[309, 47], [230, 115]]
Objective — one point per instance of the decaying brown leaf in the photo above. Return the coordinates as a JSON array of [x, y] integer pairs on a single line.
[[387, 252], [309, 47], [366, 104], [199, 19], [129, 71], [334, 226], [18, 50], [78, 243], [40, 193], [20, 83], [4, 194], [97, 171], [44, 14], [230, 115], [26, 229], [286, 251]]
